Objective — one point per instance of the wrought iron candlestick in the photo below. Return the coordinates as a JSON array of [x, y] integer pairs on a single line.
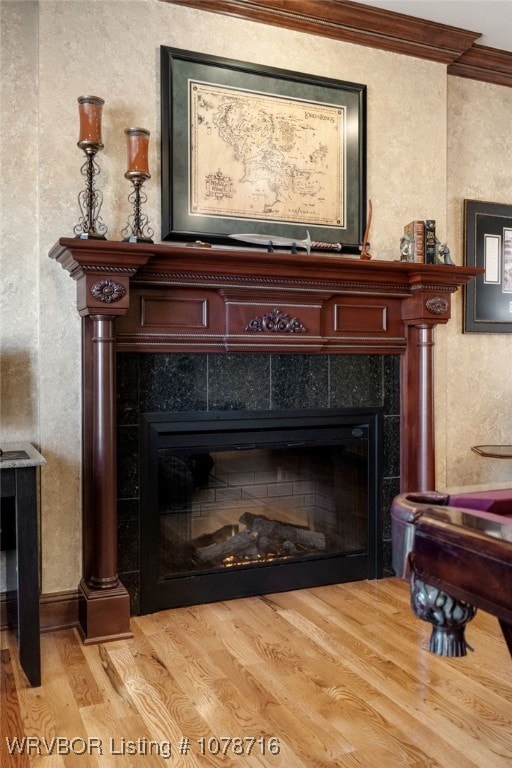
[[137, 229], [90, 199]]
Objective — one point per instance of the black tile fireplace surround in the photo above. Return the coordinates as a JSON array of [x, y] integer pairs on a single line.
[[161, 382]]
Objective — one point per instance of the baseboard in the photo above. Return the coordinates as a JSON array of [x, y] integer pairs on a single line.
[[58, 610]]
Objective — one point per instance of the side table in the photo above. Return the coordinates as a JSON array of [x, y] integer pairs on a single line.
[[18, 481], [493, 451]]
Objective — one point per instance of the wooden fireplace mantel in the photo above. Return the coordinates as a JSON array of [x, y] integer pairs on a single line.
[[176, 297]]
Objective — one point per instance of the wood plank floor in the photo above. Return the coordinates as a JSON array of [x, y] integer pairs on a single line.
[[331, 676]]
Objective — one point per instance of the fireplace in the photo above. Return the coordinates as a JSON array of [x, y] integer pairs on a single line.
[[248, 502], [148, 300], [214, 386]]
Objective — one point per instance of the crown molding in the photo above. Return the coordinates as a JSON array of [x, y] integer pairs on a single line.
[[489, 65], [350, 22], [373, 28]]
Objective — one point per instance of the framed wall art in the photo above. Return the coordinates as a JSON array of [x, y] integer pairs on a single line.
[[488, 245], [249, 149]]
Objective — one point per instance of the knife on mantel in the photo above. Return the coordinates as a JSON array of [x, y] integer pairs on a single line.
[[289, 242]]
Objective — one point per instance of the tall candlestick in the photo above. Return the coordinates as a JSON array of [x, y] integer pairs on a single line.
[[137, 143], [89, 110], [137, 229], [89, 140]]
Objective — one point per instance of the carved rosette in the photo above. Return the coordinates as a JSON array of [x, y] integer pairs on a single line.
[[108, 291], [437, 305], [276, 321]]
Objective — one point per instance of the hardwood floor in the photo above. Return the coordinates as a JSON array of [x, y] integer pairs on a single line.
[[331, 676]]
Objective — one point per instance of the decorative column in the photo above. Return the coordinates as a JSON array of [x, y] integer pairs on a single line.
[[426, 310], [103, 283], [104, 605]]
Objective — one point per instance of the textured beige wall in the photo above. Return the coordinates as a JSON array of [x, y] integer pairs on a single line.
[[111, 49], [19, 255], [478, 367]]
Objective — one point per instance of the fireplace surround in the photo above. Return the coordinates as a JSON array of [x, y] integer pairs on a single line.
[[219, 384], [142, 298]]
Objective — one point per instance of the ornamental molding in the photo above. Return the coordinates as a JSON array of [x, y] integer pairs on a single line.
[[224, 281], [108, 291], [276, 321], [437, 305], [433, 287], [353, 23], [376, 28], [94, 268]]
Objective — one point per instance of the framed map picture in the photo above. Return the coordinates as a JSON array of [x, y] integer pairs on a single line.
[[488, 245], [247, 149]]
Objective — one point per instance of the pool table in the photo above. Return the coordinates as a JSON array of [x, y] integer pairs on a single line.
[[458, 560]]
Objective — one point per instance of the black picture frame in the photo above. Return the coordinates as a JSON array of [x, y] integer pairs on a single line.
[[340, 102], [488, 245]]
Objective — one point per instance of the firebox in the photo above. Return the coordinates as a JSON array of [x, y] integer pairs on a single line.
[[249, 502]]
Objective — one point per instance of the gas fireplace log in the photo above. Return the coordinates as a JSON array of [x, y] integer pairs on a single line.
[[221, 534], [262, 537], [235, 545], [248, 519], [282, 532]]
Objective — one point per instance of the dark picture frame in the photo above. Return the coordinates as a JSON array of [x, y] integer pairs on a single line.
[[488, 245], [251, 149]]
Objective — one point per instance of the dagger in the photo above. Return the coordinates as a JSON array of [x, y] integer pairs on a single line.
[[365, 253], [289, 242]]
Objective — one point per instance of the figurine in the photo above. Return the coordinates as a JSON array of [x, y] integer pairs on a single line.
[[405, 249], [443, 253]]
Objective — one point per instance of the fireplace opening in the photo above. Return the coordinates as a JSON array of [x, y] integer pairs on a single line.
[[249, 502]]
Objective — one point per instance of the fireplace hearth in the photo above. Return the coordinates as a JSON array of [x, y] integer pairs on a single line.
[[242, 503]]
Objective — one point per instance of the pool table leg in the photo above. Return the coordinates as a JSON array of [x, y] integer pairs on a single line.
[[507, 634], [447, 616]]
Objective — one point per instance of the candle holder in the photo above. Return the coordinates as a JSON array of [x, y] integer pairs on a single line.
[[90, 200], [137, 229]]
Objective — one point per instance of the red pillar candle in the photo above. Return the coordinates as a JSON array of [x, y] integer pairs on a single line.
[[89, 110], [137, 142]]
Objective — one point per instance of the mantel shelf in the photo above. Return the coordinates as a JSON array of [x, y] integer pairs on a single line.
[[146, 259]]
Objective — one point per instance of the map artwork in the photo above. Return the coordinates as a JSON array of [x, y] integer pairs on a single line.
[[265, 157]]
